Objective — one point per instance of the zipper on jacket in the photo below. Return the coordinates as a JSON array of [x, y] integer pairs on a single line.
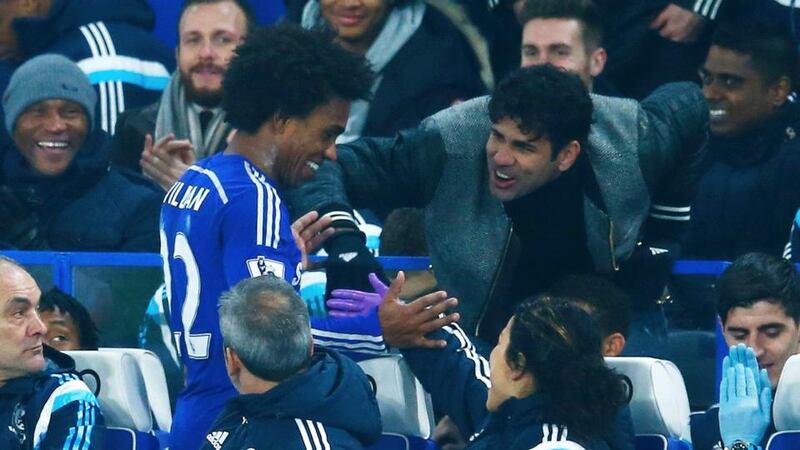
[[492, 287], [611, 244]]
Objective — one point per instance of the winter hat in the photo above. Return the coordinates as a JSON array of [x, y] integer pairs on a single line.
[[47, 77]]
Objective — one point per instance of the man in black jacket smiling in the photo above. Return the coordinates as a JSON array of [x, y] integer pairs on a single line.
[[56, 190], [750, 191]]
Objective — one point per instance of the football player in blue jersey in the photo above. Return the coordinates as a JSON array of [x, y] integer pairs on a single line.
[[287, 93]]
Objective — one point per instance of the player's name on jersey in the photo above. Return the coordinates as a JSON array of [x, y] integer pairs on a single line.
[[192, 197]]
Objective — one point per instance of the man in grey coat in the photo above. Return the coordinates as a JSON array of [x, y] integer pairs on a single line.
[[497, 231]]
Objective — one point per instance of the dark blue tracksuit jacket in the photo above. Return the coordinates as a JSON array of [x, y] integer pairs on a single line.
[[50, 410], [329, 406], [458, 379]]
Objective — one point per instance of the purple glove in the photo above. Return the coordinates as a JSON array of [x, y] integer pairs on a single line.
[[352, 303]]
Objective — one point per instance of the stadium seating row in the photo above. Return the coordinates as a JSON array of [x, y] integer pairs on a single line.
[[132, 393]]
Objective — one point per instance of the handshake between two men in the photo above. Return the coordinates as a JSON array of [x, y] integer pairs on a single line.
[[403, 324]]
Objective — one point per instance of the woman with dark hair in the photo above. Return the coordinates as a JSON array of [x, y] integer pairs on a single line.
[[548, 388]]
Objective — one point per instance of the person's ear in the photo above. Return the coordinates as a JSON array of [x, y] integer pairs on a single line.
[[779, 91], [517, 367], [568, 155], [232, 363], [613, 344], [597, 61]]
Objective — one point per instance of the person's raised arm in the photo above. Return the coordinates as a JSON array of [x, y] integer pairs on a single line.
[[379, 174]]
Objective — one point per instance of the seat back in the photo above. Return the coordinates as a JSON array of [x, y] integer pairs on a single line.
[[155, 383], [125, 439], [394, 441], [405, 406], [122, 396], [784, 440], [786, 407], [659, 404]]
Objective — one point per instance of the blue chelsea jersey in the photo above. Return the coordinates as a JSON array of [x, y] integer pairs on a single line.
[[223, 221]]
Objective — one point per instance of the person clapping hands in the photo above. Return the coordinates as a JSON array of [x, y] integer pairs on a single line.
[[745, 404]]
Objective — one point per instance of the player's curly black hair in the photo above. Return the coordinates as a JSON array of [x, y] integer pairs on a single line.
[[545, 102], [289, 71]]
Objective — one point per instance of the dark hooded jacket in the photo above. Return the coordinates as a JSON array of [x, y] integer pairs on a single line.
[[330, 405], [55, 398], [89, 207], [750, 191], [113, 44]]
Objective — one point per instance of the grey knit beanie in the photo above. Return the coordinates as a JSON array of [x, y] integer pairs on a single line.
[[47, 77]]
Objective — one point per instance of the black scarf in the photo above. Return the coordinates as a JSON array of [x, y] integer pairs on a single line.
[[549, 223]]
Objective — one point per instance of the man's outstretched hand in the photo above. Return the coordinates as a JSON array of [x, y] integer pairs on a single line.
[[405, 325], [309, 232]]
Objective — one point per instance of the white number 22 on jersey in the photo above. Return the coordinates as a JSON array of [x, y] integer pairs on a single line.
[[197, 345]]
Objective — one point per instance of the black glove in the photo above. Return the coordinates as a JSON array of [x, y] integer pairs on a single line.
[[19, 222], [349, 263]]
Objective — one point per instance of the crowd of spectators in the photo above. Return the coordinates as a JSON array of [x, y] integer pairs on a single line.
[[553, 158]]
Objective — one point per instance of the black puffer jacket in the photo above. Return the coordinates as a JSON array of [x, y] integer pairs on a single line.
[[748, 196], [89, 207]]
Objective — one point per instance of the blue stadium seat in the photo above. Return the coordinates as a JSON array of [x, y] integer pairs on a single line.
[[155, 384], [393, 441], [659, 405], [122, 397], [406, 409], [786, 408], [784, 440], [659, 442], [695, 354], [126, 439]]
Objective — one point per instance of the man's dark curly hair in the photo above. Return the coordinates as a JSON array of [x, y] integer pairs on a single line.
[[560, 345], [545, 102], [57, 300], [289, 71]]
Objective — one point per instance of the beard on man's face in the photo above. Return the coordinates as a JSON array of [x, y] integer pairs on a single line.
[[205, 98]]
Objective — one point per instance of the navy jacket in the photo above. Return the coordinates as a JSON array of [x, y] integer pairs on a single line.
[[458, 379], [87, 208], [330, 405], [432, 70], [71, 421], [750, 192], [112, 43]]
